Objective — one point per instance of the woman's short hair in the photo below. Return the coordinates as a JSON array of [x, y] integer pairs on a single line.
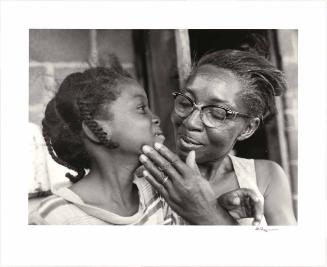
[[260, 79]]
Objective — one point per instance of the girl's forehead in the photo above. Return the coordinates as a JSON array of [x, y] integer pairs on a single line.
[[130, 87], [128, 93]]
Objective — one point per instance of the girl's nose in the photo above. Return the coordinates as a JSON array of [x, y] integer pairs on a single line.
[[155, 120]]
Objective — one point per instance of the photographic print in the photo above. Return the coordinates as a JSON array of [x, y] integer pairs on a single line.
[[230, 140], [198, 126]]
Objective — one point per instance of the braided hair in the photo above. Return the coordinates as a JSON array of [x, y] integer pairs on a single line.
[[261, 81], [80, 98]]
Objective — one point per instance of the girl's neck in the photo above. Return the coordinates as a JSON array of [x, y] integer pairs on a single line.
[[109, 184]]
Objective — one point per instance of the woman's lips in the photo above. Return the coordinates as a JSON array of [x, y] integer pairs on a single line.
[[188, 143]]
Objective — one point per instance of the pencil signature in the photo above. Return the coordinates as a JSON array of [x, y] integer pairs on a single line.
[[261, 228]]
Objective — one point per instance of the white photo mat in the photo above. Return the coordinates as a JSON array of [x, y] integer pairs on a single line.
[[302, 245]]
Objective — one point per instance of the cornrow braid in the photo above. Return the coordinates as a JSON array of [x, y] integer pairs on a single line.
[[72, 178], [86, 116]]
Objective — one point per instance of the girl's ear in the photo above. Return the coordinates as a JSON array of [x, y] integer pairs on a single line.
[[89, 134], [249, 130]]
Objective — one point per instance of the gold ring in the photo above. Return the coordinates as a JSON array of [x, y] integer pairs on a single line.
[[164, 167], [165, 179]]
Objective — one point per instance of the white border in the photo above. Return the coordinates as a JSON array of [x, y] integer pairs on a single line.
[[197, 246]]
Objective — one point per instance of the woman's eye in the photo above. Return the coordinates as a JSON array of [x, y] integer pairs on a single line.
[[180, 101], [216, 113], [185, 103]]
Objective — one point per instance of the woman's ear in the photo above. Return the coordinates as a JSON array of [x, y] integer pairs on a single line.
[[89, 134], [249, 130]]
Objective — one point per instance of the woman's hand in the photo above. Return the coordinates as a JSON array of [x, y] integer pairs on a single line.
[[182, 186], [243, 203]]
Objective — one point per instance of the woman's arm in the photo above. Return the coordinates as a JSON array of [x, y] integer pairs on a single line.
[[278, 208]]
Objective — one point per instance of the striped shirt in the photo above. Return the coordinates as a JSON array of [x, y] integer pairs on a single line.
[[65, 207]]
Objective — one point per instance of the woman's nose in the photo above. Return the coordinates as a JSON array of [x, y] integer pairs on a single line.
[[193, 121]]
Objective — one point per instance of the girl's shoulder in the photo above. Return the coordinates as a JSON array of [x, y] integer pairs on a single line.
[[55, 210], [147, 193]]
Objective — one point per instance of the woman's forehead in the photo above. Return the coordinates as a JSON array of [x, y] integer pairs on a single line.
[[215, 74], [212, 82]]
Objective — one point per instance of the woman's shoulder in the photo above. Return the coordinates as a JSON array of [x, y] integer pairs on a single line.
[[54, 210], [268, 173], [263, 165], [277, 193]]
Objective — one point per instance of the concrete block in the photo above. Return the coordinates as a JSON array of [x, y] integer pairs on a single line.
[[291, 119], [293, 144], [62, 73], [291, 102], [119, 42], [291, 72], [288, 42], [57, 45], [37, 94], [294, 172]]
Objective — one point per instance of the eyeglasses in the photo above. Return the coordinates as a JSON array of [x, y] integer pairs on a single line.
[[211, 115]]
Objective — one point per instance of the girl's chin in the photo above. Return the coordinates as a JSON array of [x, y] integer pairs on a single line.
[[150, 142], [159, 138]]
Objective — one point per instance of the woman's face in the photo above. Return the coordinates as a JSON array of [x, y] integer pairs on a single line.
[[130, 124], [209, 86]]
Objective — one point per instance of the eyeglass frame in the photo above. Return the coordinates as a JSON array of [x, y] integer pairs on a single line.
[[229, 112]]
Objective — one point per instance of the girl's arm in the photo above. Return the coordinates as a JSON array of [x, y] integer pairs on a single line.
[[278, 208]]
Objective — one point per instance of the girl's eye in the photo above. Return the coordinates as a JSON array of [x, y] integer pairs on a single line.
[[143, 108]]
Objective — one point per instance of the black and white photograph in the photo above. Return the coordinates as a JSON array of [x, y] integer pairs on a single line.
[[163, 126], [199, 126]]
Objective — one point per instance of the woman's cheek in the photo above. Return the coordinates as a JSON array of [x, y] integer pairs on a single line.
[[222, 138], [176, 120], [217, 136]]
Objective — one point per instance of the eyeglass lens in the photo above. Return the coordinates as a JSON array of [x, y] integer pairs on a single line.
[[211, 116]]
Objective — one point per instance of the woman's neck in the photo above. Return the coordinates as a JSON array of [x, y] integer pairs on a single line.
[[212, 170], [109, 184]]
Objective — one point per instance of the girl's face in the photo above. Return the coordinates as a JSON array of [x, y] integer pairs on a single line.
[[130, 123], [209, 86]]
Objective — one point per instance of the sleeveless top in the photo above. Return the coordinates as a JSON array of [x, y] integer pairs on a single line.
[[246, 178]]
